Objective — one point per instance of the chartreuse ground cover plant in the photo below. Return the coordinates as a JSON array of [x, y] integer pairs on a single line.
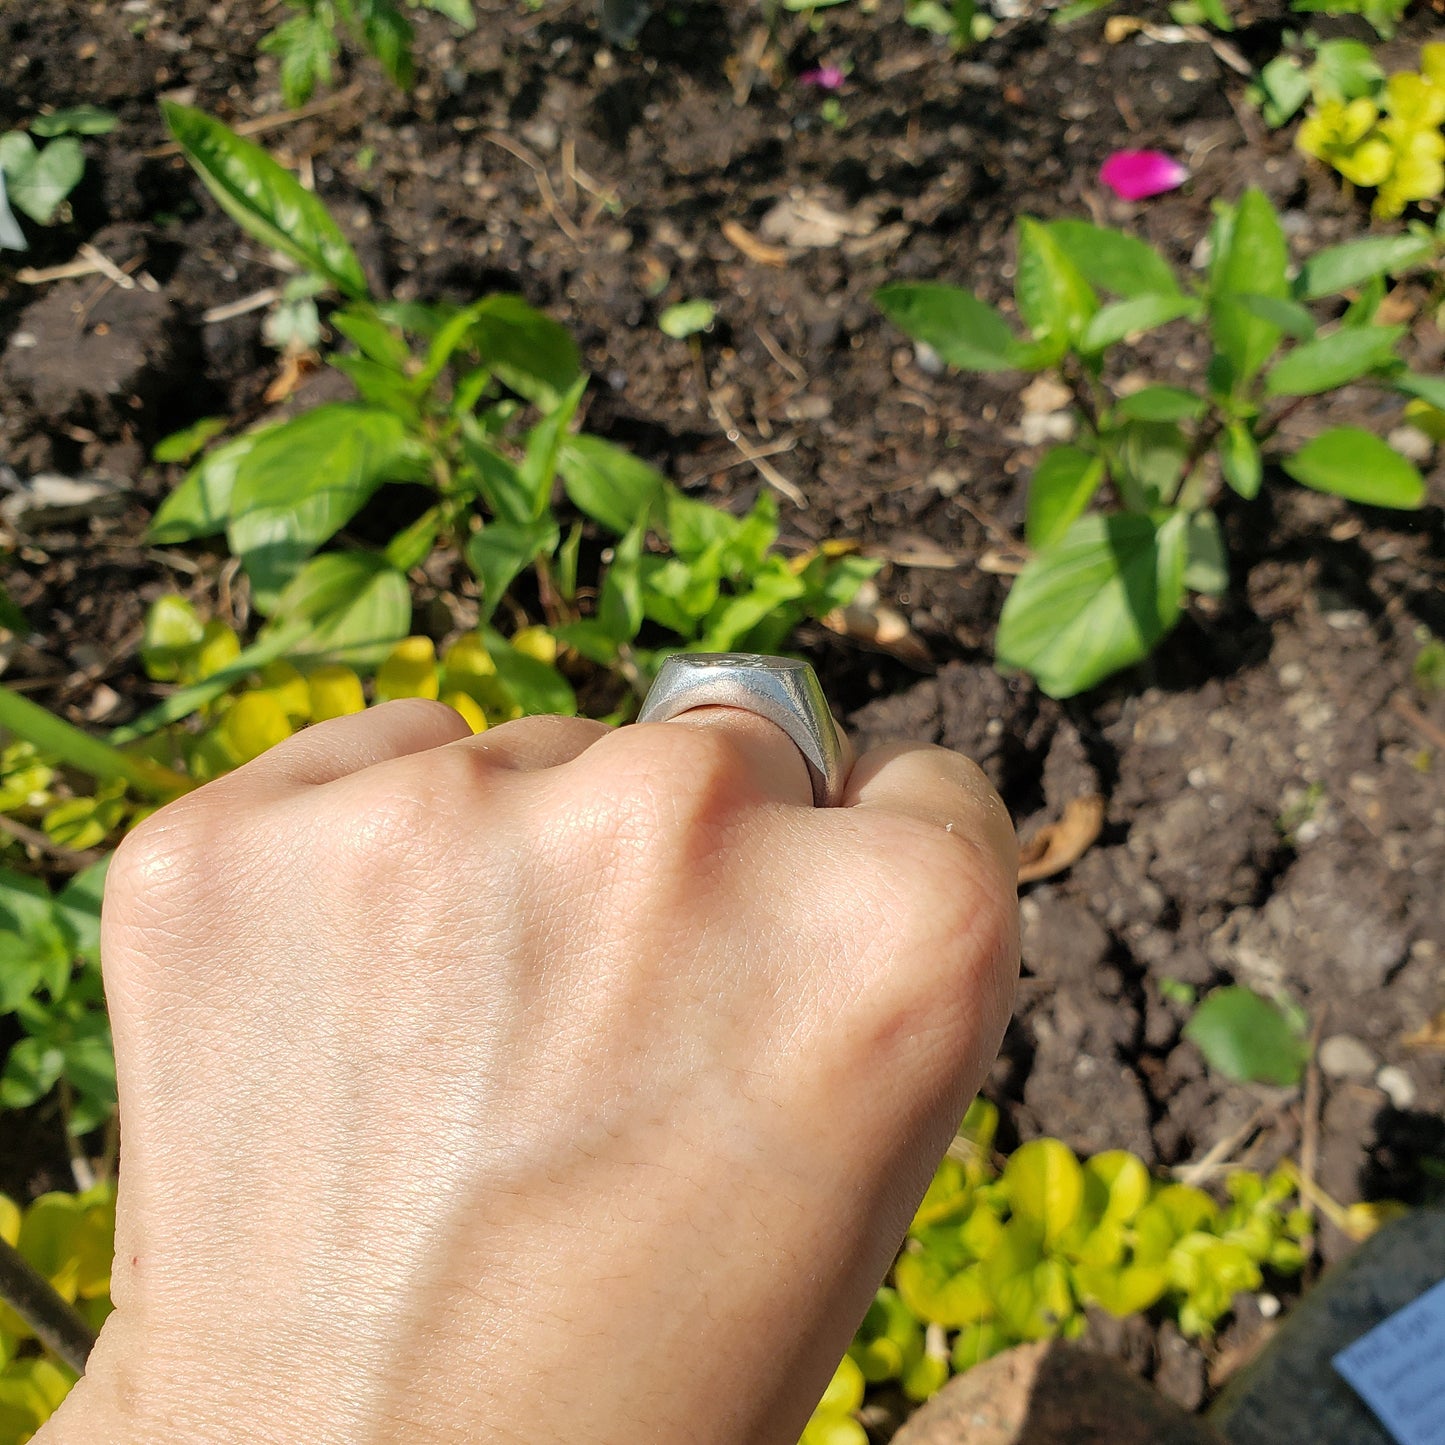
[[310, 40], [1122, 522]]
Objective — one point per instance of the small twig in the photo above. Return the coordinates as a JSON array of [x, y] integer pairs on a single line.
[[267, 123], [544, 182], [771, 346], [1221, 1152], [57, 1325], [765, 468], [1310, 1123], [569, 172], [232, 309], [1430, 731], [72, 858], [90, 262], [773, 449]]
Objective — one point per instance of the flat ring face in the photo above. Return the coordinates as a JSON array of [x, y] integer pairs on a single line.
[[784, 691]]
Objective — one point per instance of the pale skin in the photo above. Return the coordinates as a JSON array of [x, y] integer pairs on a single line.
[[555, 1085]]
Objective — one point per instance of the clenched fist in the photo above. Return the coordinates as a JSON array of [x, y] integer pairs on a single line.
[[558, 1084]]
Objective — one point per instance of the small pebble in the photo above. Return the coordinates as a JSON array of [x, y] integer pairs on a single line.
[[1342, 1056], [1397, 1085]]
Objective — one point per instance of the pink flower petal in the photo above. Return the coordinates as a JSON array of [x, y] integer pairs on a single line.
[[1137, 175], [825, 77]]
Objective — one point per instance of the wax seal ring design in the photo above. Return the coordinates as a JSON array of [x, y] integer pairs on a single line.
[[785, 692]]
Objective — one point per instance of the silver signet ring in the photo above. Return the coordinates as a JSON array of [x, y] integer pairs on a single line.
[[785, 692]]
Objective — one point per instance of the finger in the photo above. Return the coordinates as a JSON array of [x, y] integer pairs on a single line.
[[528, 744], [341, 746], [768, 760], [935, 785]]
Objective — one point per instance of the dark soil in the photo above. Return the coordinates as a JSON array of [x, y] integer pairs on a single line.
[[1275, 813]]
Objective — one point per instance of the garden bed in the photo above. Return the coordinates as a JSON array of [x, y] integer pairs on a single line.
[[1273, 778]]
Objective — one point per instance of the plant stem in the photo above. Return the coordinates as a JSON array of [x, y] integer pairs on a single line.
[[57, 1324]]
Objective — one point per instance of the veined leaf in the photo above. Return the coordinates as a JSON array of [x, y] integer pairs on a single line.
[[1359, 467], [1248, 1038], [1114, 261], [201, 505], [1132, 316], [1250, 257], [1239, 459], [1061, 487], [964, 331], [1339, 268], [350, 607], [1331, 361], [265, 198], [1096, 601], [1161, 403], [528, 351], [501, 550], [608, 484], [544, 445], [1054, 299]]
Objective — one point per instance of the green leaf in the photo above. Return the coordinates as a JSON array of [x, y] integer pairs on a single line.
[[265, 199], [494, 477], [37, 181], [300, 482], [1132, 317], [501, 550], [182, 446], [306, 44], [619, 609], [686, 319], [1054, 300], [1339, 268], [1429, 389], [201, 504], [1345, 70], [1096, 601], [964, 331], [75, 120], [30, 1073], [78, 905], [1250, 257], [1147, 462], [1331, 361], [1247, 1038], [380, 387], [1114, 261], [1045, 1185], [1359, 467], [1283, 89], [350, 607], [940, 1295], [528, 351], [537, 687], [388, 36], [544, 445], [1239, 459], [1161, 403], [1061, 487], [608, 484], [1206, 566], [12, 619], [1289, 316], [372, 337], [459, 12]]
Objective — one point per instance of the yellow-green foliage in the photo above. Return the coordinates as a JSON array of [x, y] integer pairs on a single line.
[[70, 1239], [1391, 140]]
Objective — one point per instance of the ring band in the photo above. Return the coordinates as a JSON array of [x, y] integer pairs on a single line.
[[783, 691]]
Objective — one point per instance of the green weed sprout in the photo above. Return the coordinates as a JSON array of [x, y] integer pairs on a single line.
[[1103, 587]]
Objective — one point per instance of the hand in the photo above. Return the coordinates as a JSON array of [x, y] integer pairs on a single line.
[[553, 1084]]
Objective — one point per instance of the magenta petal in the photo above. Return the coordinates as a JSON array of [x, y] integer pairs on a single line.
[[1136, 175], [825, 77]]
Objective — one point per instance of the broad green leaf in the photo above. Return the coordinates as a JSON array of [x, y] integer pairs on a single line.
[[608, 484], [1247, 1038], [528, 351], [388, 35], [1045, 1185], [1061, 487], [1124, 1179], [1054, 299], [25, 903], [1289, 316], [75, 120], [37, 181], [964, 331], [1206, 566], [1359, 467], [31, 1071], [1147, 461], [201, 505], [1339, 268], [1114, 261], [495, 478], [501, 550], [544, 445], [1161, 403], [1096, 601], [1345, 70], [351, 607], [1250, 257], [372, 337], [1132, 317], [537, 687], [758, 620], [1283, 89], [686, 319], [297, 484], [1239, 459], [265, 198], [1331, 361], [172, 632], [78, 905]]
